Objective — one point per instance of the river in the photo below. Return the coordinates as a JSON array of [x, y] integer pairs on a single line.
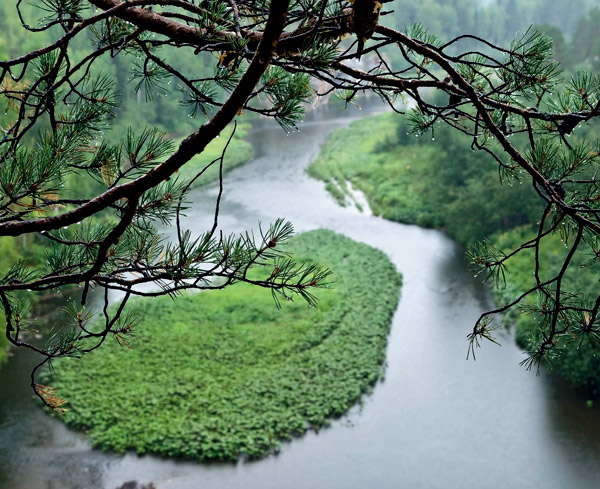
[[436, 421]]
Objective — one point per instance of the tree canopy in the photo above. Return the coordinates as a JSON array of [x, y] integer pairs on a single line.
[[95, 199]]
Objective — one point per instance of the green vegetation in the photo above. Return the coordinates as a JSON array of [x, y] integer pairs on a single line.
[[578, 361], [430, 183], [3, 349], [8, 256], [11, 251], [499, 20], [164, 114], [444, 184], [225, 373], [435, 185]]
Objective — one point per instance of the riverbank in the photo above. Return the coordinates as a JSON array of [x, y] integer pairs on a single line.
[[238, 152], [231, 375], [441, 183], [11, 251]]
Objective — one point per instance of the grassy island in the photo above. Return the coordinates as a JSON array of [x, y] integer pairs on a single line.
[[221, 374]]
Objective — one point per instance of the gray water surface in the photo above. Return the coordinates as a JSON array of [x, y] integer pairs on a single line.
[[436, 421]]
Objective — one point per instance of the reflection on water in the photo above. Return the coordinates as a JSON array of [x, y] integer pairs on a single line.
[[436, 421]]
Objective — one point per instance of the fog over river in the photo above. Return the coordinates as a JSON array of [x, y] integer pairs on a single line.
[[436, 421]]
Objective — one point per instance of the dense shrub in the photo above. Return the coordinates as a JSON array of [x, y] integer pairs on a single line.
[[440, 183]]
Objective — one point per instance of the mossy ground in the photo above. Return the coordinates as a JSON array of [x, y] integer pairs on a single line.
[[221, 374]]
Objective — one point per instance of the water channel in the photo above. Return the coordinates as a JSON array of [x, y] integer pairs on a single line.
[[436, 421]]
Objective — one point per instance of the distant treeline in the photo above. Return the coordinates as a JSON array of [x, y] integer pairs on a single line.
[[164, 112], [576, 32], [496, 20]]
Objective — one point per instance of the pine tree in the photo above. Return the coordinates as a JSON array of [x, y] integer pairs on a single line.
[[264, 55]]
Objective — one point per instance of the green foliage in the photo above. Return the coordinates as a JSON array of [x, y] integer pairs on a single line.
[[135, 82], [563, 51], [574, 31], [9, 255], [286, 93], [586, 39], [68, 132], [3, 348], [496, 20], [431, 184], [220, 374]]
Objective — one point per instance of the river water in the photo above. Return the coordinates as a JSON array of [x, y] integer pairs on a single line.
[[436, 421]]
